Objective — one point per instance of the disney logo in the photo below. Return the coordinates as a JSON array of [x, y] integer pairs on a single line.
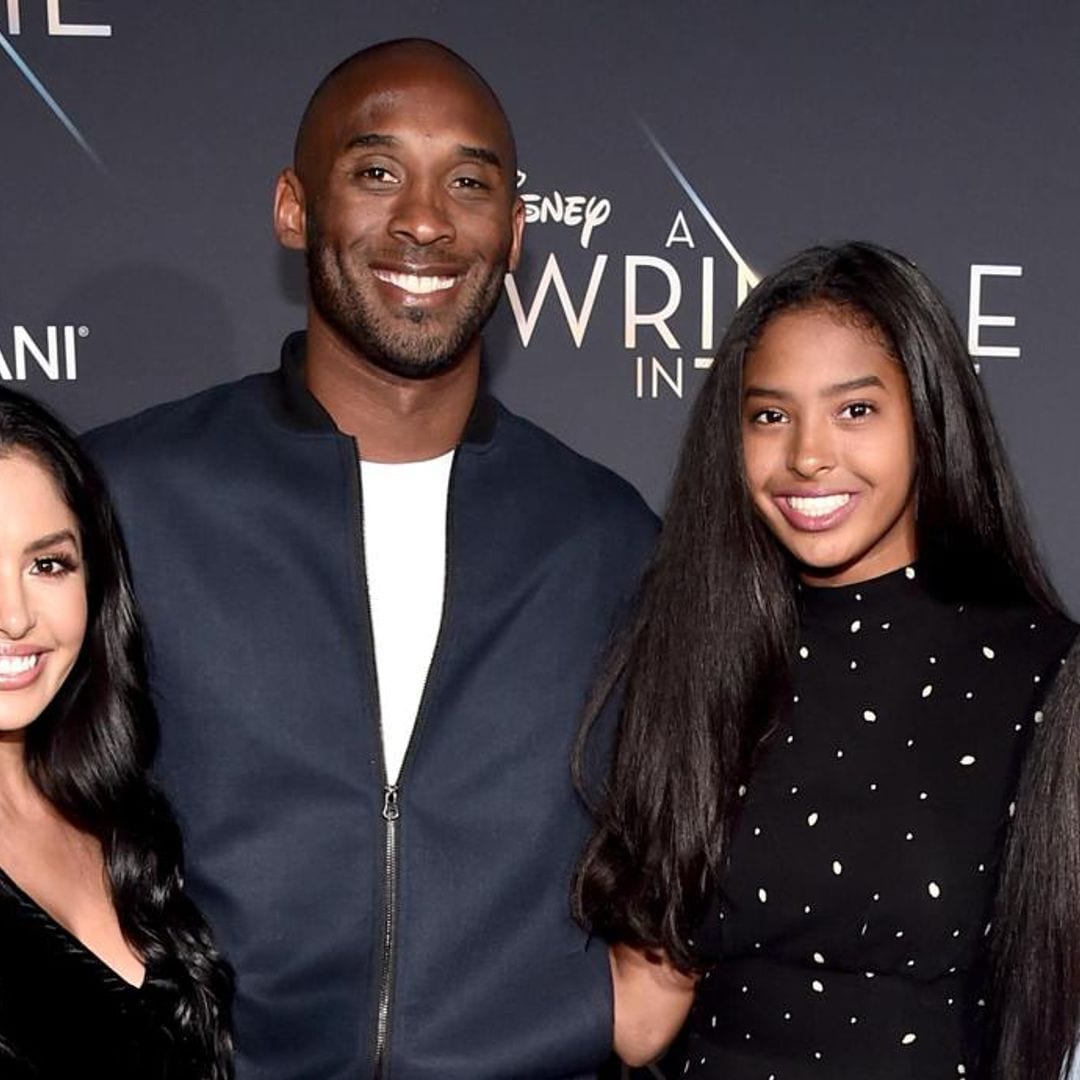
[[576, 211]]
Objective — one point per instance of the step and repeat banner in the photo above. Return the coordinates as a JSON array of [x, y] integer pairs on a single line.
[[670, 154]]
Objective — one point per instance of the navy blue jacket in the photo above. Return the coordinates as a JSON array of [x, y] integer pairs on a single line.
[[419, 932]]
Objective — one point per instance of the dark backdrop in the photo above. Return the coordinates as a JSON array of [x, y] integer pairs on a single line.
[[668, 150]]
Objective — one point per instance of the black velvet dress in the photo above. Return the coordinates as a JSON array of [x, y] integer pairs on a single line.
[[851, 932], [65, 1014]]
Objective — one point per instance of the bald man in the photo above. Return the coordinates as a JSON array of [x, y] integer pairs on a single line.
[[375, 598]]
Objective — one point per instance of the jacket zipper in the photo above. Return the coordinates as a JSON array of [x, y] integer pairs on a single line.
[[390, 813], [390, 803], [391, 808]]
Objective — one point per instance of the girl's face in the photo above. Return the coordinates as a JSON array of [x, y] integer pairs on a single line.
[[42, 592], [829, 446]]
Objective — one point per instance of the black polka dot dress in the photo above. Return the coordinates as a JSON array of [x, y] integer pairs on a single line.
[[851, 931]]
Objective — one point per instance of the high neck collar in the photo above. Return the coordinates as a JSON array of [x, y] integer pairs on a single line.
[[870, 595], [300, 410]]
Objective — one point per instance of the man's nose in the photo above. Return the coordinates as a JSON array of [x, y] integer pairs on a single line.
[[421, 215]]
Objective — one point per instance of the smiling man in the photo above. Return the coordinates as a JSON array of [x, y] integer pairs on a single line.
[[375, 600]]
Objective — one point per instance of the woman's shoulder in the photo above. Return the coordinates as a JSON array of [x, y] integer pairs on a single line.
[[1024, 628], [50, 984], [1023, 651]]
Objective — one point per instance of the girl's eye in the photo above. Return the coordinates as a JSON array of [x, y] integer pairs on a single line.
[[768, 416], [857, 410]]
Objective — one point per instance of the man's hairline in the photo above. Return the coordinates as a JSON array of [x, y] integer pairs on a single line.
[[373, 52]]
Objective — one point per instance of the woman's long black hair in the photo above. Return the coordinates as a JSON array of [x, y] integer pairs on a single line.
[[90, 750], [704, 660]]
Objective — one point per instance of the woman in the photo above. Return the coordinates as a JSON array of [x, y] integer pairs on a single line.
[[838, 659], [106, 968]]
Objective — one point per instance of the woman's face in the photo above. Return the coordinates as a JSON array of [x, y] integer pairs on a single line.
[[42, 592], [829, 446]]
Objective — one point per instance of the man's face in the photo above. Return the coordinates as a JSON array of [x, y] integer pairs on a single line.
[[411, 217]]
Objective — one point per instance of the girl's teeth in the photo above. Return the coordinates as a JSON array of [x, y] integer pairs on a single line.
[[817, 505]]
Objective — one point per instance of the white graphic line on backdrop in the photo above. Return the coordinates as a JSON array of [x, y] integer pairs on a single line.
[[747, 276], [42, 91]]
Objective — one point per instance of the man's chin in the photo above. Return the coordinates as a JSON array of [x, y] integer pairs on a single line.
[[415, 355], [411, 366]]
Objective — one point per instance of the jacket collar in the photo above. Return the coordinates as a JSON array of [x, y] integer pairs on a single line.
[[299, 409]]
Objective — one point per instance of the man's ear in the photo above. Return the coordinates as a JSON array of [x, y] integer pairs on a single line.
[[518, 228], [290, 211]]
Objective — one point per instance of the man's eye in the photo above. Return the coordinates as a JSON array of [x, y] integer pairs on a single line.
[[379, 173], [470, 183]]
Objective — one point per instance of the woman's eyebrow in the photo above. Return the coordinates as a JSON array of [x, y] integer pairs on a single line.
[[845, 387], [50, 541]]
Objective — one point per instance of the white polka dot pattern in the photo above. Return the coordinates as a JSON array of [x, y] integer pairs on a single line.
[[862, 866]]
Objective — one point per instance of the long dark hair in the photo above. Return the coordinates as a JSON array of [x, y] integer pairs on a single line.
[[704, 660], [1036, 940], [89, 752]]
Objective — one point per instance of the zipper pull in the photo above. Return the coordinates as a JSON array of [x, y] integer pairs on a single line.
[[390, 807]]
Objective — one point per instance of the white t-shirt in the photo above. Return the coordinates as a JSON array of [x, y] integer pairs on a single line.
[[405, 555]]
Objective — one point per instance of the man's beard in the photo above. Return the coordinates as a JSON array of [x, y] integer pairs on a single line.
[[409, 343]]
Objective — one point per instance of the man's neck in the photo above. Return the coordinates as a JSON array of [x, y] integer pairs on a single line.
[[393, 419]]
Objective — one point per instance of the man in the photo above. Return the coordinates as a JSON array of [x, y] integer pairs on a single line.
[[375, 598]]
